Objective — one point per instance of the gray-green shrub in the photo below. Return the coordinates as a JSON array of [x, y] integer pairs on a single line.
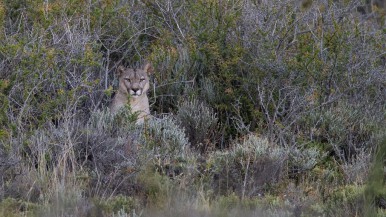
[[199, 123]]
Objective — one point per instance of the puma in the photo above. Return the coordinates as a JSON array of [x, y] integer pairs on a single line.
[[133, 86]]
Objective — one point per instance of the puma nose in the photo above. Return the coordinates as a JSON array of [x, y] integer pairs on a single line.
[[135, 89]]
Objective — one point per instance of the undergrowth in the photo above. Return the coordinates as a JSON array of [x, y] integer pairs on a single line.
[[260, 108]]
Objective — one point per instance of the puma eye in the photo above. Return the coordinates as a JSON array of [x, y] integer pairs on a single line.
[[142, 79], [128, 79]]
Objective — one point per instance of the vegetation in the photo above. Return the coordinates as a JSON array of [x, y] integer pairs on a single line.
[[261, 108]]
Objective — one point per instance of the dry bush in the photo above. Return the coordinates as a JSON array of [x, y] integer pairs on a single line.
[[356, 171]]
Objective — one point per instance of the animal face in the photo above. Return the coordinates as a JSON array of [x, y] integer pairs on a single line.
[[134, 82]]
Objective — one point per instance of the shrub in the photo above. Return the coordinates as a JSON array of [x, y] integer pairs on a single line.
[[347, 200], [157, 188], [248, 169], [306, 75], [356, 171], [165, 137], [116, 204], [199, 123], [166, 147], [108, 151], [302, 161], [291, 76], [12, 207], [375, 192]]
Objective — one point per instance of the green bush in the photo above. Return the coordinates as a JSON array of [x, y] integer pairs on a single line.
[[12, 207], [375, 193], [348, 200], [115, 204]]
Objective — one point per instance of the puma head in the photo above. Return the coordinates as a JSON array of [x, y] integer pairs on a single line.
[[134, 82]]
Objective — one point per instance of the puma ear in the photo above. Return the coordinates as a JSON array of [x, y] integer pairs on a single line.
[[148, 68], [120, 70]]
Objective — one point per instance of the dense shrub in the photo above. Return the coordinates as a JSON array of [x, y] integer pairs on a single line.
[[348, 200], [252, 101], [249, 168], [199, 123]]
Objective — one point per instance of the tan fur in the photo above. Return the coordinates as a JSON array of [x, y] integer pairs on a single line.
[[133, 86]]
